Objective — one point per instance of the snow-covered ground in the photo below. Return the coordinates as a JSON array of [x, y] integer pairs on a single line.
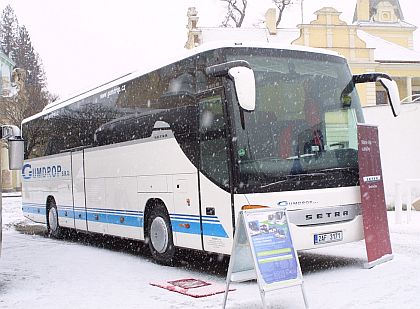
[[92, 272]]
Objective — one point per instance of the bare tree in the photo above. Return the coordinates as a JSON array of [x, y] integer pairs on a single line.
[[235, 12], [281, 6]]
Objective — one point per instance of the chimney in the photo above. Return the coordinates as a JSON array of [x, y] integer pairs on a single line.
[[192, 15], [194, 33], [363, 10], [270, 21]]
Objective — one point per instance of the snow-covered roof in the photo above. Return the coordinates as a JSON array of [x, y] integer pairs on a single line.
[[399, 24], [283, 36], [386, 51], [212, 34], [277, 42], [236, 43]]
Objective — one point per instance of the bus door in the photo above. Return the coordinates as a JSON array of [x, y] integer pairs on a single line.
[[78, 185], [214, 178]]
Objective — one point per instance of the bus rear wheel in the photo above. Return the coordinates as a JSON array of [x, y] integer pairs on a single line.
[[160, 240], [53, 226]]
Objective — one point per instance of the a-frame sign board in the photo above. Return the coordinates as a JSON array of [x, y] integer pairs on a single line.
[[263, 250]]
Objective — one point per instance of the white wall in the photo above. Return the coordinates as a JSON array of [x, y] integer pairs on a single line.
[[399, 140]]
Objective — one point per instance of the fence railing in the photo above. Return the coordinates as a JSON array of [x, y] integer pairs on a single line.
[[405, 188]]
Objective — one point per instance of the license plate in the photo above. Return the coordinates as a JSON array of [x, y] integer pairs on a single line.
[[325, 238]]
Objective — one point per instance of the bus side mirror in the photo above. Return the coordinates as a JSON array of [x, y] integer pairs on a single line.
[[243, 76], [245, 86], [393, 95], [15, 145], [388, 83]]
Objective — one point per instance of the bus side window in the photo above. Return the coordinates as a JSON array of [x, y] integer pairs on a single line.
[[213, 147]]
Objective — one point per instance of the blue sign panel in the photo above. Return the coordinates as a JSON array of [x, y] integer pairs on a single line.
[[272, 244]]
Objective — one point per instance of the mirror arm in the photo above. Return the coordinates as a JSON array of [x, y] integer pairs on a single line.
[[364, 78], [242, 117], [387, 82], [369, 77], [222, 69]]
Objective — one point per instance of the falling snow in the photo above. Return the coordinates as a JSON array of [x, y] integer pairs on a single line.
[[84, 271]]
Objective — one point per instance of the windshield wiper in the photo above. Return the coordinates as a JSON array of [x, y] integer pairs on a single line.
[[352, 170], [293, 178]]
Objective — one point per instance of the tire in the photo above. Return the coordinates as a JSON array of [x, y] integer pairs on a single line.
[[160, 238], [53, 226]]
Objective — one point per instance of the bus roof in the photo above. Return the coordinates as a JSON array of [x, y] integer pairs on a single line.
[[174, 58]]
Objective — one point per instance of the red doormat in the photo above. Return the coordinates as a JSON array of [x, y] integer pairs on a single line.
[[192, 287]]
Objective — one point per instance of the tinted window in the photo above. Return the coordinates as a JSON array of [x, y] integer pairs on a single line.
[[121, 113]]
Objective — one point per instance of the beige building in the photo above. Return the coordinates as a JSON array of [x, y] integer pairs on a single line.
[[378, 40]]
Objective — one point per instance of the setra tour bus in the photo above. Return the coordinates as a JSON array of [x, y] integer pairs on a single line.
[[171, 155]]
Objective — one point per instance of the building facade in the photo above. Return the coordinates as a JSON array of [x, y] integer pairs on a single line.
[[377, 41]]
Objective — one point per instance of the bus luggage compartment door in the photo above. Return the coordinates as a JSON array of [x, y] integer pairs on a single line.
[[78, 182]]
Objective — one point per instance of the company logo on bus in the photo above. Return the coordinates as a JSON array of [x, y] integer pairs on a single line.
[[50, 171], [296, 203]]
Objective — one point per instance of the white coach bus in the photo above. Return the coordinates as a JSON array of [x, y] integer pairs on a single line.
[[171, 155]]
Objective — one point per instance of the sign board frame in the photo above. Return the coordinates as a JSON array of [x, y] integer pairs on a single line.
[[374, 212], [263, 250]]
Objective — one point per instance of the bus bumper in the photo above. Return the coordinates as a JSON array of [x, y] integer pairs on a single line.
[[305, 237]]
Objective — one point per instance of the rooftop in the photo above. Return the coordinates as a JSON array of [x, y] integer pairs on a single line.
[[386, 51]]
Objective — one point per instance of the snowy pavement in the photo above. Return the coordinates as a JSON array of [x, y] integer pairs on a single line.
[[91, 272]]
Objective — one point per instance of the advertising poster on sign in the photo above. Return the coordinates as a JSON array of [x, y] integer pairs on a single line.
[[273, 248], [263, 250], [375, 221]]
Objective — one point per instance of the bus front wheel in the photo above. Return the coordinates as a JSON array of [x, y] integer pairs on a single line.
[[160, 240], [54, 229]]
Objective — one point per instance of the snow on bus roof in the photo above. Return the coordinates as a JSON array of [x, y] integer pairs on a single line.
[[173, 58]]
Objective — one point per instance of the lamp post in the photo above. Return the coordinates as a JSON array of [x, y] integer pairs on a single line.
[[1, 198], [10, 134]]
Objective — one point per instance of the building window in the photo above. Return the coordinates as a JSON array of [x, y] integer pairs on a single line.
[[196, 40], [386, 16], [381, 97], [415, 96]]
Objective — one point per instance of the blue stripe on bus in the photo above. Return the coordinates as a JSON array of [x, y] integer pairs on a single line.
[[216, 230], [135, 221], [209, 229], [123, 211], [179, 227], [214, 220], [33, 209], [211, 224], [195, 218]]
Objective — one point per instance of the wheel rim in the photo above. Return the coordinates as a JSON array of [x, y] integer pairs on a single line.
[[159, 234], [53, 219]]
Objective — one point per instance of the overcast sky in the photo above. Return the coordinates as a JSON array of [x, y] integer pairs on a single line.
[[83, 43]]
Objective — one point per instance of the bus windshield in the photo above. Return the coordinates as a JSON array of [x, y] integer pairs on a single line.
[[302, 133]]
